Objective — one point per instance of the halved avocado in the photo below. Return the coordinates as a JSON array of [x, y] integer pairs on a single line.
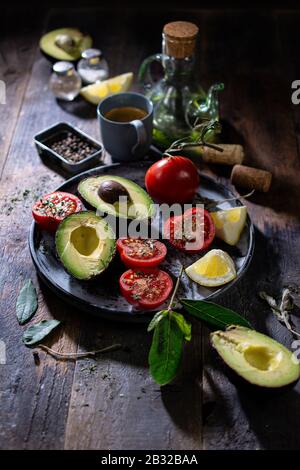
[[65, 44], [257, 358], [85, 244], [138, 204]]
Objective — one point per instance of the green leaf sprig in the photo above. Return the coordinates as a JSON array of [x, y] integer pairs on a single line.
[[171, 330]]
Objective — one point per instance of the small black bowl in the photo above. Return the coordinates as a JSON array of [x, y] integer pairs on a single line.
[[44, 139]]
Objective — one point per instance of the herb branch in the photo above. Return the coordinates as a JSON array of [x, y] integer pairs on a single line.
[[171, 329], [203, 128], [175, 288], [282, 309]]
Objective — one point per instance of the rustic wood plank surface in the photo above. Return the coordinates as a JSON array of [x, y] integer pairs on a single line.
[[111, 402], [18, 45]]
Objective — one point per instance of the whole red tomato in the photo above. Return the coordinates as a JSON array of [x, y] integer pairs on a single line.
[[172, 179]]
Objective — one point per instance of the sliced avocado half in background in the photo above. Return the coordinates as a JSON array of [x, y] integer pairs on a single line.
[[138, 204], [257, 358], [85, 244], [65, 44]]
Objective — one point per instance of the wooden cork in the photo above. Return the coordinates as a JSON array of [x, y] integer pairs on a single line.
[[251, 178], [180, 38], [231, 155]]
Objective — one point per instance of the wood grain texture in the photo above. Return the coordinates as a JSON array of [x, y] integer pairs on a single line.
[[256, 110], [18, 43], [118, 406], [111, 402], [34, 398], [128, 404]]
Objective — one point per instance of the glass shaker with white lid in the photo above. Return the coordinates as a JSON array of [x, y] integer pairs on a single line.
[[65, 82], [92, 67]]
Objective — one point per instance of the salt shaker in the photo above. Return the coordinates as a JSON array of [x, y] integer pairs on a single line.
[[65, 82], [92, 67]]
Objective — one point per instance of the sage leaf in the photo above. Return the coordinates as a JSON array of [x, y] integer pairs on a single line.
[[27, 302], [213, 314], [166, 350], [156, 319], [183, 324], [35, 333]]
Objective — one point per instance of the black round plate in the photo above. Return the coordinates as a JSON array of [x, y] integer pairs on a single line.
[[101, 295]]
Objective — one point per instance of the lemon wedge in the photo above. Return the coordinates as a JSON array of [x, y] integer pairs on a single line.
[[213, 269], [229, 223], [98, 91]]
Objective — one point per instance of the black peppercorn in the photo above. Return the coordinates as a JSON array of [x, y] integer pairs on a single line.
[[73, 148]]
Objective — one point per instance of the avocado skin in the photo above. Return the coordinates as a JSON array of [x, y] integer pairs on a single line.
[[241, 382], [57, 235]]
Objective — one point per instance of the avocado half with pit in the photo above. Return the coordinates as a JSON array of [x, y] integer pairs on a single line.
[[85, 244], [257, 358], [65, 44], [117, 196]]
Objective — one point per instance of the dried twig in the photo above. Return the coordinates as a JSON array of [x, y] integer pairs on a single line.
[[282, 309], [74, 356], [295, 293], [212, 203]]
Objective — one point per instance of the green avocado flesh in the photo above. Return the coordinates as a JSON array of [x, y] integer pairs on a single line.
[[65, 43], [85, 244], [257, 358], [140, 206]]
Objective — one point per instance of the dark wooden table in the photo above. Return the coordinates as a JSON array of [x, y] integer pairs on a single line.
[[116, 405]]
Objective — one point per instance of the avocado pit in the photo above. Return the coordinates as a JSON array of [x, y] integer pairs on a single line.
[[65, 42], [111, 192]]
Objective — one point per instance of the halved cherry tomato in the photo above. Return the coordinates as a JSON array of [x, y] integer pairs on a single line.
[[147, 288], [191, 232], [52, 208], [140, 252]]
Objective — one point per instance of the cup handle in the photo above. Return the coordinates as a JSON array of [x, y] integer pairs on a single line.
[[141, 136]]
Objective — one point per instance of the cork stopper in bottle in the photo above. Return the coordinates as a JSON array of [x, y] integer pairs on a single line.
[[251, 178], [180, 38]]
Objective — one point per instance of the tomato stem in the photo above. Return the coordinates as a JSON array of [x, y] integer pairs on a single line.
[[175, 289]]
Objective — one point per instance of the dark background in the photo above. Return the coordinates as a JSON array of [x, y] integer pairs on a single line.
[[157, 5], [60, 405]]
